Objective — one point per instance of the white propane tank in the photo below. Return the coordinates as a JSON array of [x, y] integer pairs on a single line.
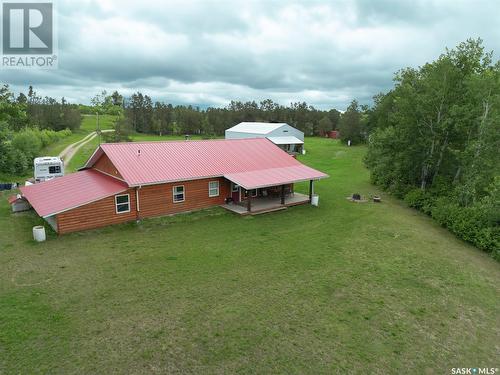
[[315, 200], [39, 233]]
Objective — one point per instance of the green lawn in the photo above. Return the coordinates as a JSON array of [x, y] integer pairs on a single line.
[[82, 155], [341, 288], [89, 122], [88, 126]]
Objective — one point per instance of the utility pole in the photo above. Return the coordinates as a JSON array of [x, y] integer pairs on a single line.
[[98, 128]]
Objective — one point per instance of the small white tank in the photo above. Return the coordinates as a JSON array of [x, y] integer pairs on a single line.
[[315, 200], [39, 233]]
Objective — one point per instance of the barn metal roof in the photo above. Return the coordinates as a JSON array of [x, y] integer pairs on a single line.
[[145, 163], [257, 127], [286, 140], [74, 190]]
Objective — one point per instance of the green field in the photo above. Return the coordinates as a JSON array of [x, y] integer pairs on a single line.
[[339, 288], [88, 126], [89, 122]]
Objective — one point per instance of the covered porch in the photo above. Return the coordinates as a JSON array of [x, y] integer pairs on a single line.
[[265, 199], [262, 205], [266, 190]]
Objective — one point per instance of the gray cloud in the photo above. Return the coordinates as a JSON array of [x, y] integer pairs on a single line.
[[210, 52]]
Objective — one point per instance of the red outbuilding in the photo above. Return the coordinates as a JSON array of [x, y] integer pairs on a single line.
[[334, 134]]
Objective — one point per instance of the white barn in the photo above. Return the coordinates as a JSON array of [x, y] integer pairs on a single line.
[[281, 134]]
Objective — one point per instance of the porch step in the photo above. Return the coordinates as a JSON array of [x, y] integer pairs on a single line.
[[265, 211]]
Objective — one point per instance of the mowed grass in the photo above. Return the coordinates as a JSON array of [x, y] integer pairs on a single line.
[[89, 122], [339, 288], [82, 155], [88, 126]]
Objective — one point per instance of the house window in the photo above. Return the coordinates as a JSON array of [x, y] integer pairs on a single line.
[[54, 169], [234, 188], [178, 192], [213, 189], [122, 203]]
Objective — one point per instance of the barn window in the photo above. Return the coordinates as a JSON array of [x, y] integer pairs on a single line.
[[122, 203], [213, 189], [178, 192]]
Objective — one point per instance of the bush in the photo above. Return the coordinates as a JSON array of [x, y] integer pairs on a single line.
[[421, 200], [13, 161], [472, 224], [28, 142]]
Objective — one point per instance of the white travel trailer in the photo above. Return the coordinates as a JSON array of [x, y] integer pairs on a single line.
[[48, 167]]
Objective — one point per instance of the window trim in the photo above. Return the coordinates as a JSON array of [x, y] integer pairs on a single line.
[[116, 203], [174, 193], [252, 193], [209, 188]]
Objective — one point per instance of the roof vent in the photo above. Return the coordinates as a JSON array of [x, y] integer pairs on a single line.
[[139, 152]]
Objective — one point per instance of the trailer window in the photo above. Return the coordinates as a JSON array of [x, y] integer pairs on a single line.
[[178, 192], [213, 189], [55, 169], [122, 203]]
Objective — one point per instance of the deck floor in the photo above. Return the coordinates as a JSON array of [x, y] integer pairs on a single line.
[[263, 205]]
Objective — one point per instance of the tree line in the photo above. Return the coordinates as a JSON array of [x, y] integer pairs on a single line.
[[434, 140], [145, 116]]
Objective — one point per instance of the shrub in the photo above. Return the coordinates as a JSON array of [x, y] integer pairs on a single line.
[[13, 161], [421, 200], [472, 224], [28, 142]]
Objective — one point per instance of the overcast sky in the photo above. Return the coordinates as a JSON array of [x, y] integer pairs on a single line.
[[209, 52]]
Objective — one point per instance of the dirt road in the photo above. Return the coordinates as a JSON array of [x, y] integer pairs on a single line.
[[73, 148]]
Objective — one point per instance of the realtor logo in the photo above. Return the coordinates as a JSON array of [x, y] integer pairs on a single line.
[[28, 35]]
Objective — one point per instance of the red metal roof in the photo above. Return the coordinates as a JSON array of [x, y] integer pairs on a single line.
[[142, 163], [274, 176], [73, 190]]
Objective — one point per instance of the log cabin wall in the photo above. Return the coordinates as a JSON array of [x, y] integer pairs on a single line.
[[157, 200], [95, 215], [154, 200]]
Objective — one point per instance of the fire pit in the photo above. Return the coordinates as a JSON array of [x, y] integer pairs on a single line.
[[357, 198]]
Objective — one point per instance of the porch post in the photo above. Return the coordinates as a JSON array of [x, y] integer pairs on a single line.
[[282, 194], [249, 200], [311, 189]]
